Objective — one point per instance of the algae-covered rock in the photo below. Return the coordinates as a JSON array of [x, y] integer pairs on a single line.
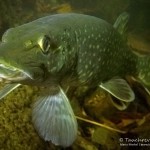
[[16, 129], [107, 139]]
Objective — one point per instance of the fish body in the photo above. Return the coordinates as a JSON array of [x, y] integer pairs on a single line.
[[64, 50], [86, 46]]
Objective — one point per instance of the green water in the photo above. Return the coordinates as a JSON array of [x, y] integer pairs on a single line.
[[16, 129]]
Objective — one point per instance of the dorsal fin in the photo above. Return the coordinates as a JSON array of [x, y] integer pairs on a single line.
[[121, 22]]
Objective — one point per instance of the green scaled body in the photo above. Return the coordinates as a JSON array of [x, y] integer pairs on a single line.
[[64, 50]]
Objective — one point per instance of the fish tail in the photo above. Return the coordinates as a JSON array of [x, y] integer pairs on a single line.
[[54, 119]]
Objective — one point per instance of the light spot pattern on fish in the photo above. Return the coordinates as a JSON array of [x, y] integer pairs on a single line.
[[66, 50]]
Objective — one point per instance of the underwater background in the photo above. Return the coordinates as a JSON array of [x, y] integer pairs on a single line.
[[16, 129]]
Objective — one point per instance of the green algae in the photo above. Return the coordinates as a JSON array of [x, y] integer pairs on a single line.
[[16, 129]]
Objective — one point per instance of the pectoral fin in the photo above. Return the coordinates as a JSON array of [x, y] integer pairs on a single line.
[[7, 89], [120, 105], [54, 119], [146, 87], [120, 89]]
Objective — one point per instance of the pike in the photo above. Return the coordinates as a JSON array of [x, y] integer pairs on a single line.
[[64, 50]]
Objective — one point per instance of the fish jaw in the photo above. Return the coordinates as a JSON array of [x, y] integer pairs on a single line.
[[13, 74], [18, 63], [29, 76]]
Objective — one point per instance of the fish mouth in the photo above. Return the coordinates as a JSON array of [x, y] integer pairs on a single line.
[[11, 73]]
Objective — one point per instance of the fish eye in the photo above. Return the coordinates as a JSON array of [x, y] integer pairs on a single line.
[[46, 44]]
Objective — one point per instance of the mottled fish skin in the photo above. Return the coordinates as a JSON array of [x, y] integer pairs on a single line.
[[91, 50], [66, 50], [102, 54]]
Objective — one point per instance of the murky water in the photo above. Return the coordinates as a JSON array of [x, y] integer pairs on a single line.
[[16, 129]]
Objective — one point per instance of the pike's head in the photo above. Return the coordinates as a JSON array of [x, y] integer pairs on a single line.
[[34, 52]]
